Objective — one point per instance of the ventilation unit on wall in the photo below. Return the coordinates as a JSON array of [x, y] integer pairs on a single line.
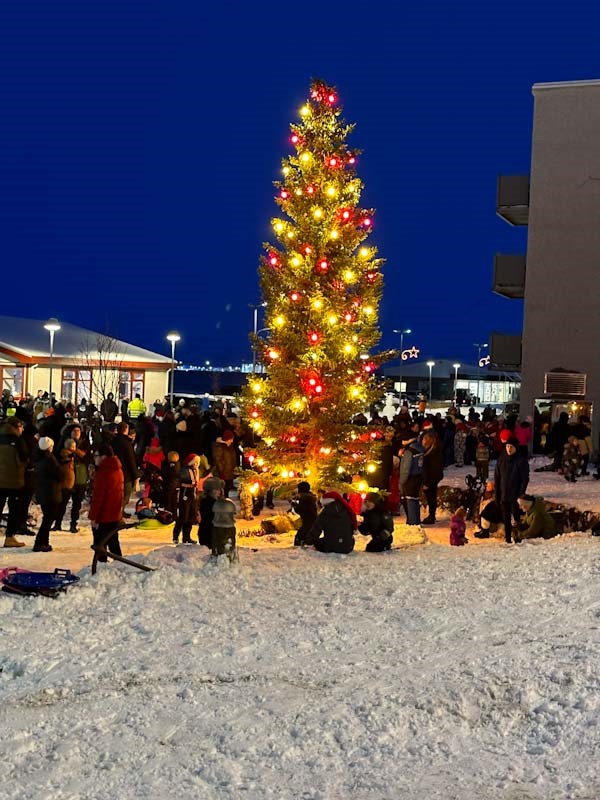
[[564, 383]]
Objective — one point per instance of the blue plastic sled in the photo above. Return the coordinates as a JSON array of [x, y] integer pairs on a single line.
[[49, 584]]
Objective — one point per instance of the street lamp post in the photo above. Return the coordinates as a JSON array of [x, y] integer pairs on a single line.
[[401, 332], [51, 326], [255, 307], [431, 365], [173, 337], [456, 368], [480, 347]]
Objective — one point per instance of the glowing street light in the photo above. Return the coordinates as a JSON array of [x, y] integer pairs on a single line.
[[401, 331], [51, 326], [480, 347], [173, 337], [456, 368], [431, 365]]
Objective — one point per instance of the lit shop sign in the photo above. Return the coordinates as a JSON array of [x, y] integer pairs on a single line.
[[413, 352], [484, 361]]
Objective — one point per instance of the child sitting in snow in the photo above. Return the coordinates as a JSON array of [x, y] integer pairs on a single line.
[[458, 528]]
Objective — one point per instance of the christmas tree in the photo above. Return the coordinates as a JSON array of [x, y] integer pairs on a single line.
[[322, 285]]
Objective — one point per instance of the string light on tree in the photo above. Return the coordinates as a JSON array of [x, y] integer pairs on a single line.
[[322, 306]]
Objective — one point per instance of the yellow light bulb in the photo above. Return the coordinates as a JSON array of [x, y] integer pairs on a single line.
[[355, 392], [290, 234], [286, 170], [298, 192], [355, 338], [371, 468], [259, 401], [279, 227], [295, 261], [368, 310], [317, 304], [284, 473], [332, 319], [334, 234], [304, 111], [364, 252], [363, 486], [305, 157], [348, 348], [280, 321], [256, 387], [260, 462], [256, 425], [340, 470], [297, 405], [348, 275], [317, 213], [331, 191]]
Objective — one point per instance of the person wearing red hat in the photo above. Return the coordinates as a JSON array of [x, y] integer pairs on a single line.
[[333, 530]]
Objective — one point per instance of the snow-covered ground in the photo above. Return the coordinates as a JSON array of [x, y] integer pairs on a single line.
[[428, 672]]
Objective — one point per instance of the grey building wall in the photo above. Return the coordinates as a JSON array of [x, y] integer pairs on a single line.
[[562, 287]]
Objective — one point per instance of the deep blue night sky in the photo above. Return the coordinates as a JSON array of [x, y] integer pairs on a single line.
[[139, 141]]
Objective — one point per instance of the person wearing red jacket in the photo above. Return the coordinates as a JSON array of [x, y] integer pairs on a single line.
[[107, 499]]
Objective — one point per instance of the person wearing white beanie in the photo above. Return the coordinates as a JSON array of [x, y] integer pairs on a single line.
[[48, 492]]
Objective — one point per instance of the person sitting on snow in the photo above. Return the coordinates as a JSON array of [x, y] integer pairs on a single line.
[[536, 522], [304, 503], [378, 523], [458, 528], [337, 522], [490, 513]]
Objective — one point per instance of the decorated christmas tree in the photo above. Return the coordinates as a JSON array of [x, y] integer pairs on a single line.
[[322, 284]]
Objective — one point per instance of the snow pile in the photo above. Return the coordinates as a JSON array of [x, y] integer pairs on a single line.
[[428, 672]]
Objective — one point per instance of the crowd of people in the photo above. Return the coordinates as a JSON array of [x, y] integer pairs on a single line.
[[59, 452]]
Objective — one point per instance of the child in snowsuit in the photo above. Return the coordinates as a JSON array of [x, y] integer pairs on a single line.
[[223, 532], [377, 523], [458, 528], [304, 503], [211, 489], [482, 459], [490, 513], [246, 502], [570, 461]]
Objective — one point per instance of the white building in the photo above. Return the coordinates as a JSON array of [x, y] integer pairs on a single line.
[[84, 363]]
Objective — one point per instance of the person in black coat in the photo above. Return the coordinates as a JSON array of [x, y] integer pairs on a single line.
[[559, 435], [510, 482], [433, 472], [47, 490], [108, 408], [377, 523], [304, 503], [124, 450], [337, 523]]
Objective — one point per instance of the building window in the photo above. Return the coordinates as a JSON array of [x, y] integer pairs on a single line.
[[76, 385], [130, 384], [11, 378]]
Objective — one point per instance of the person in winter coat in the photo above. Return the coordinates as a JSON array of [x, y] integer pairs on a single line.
[[524, 434], [490, 513], [559, 434], [458, 528], [187, 511], [123, 449], [337, 523], [224, 459], [482, 458], [211, 490], [460, 443], [82, 461], [108, 408], [13, 460], [536, 521], [433, 473], [510, 482], [377, 523], [304, 503], [66, 463], [411, 476], [583, 431], [170, 472], [136, 408], [223, 526], [47, 492], [570, 460], [107, 499]]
